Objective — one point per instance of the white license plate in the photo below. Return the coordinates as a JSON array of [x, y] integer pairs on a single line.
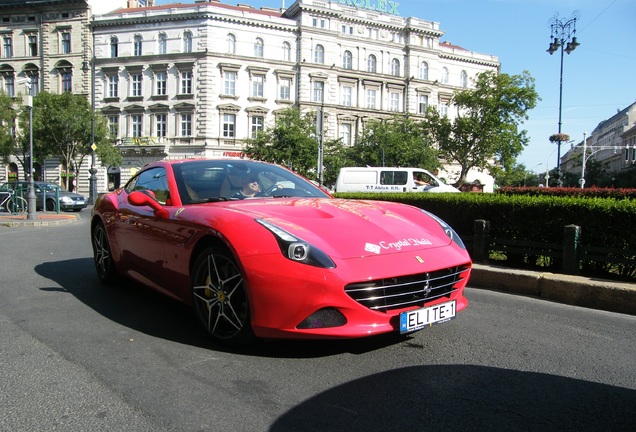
[[420, 318]]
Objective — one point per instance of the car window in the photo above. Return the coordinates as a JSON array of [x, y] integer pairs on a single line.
[[394, 177], [153, 180]]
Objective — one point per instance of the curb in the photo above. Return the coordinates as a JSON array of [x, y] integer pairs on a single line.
[[41, 220], [573, 290]]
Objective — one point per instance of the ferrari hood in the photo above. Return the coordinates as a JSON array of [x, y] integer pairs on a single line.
[[350, 228]]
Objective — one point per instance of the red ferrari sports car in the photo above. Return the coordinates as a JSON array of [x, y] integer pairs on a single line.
[[259, 251]]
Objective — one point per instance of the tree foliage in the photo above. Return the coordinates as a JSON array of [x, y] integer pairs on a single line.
[[292, 142], [398, 141], [486, 127], [8, 116], [62, 127]]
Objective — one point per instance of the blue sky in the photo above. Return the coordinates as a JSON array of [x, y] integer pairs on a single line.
[[599, 77]]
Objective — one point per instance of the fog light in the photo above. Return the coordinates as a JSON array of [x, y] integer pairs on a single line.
[[327, 317]]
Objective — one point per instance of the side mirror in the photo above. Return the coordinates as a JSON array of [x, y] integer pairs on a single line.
[[140, 199]]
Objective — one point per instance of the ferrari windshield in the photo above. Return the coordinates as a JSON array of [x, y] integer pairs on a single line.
[[233, 179]]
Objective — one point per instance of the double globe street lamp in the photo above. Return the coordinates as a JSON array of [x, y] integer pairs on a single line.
[[562, 37]]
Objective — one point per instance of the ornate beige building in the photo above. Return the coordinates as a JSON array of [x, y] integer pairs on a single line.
[[197, 80]]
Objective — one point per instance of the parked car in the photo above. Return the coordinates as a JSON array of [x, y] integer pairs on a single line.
[[259, 251], [46, 194]]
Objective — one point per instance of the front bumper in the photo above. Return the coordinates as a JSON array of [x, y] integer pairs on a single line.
[[285, 296]]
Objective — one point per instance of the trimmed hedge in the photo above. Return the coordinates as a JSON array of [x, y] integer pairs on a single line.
[[605, 222]]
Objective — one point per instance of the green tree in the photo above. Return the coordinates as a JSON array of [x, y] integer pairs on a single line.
[[398, 141], [485, 129], [62, 127], [290, 142], [8, 116]]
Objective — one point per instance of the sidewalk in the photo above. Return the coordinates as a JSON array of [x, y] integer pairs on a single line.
[[573, 290], [41, 219]]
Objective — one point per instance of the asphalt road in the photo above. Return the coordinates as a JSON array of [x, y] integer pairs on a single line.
[[78, 356]]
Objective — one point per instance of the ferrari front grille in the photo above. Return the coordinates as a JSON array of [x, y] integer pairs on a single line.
[[403, 291]]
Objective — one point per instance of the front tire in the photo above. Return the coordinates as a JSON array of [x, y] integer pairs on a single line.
[[102, 257], [219, 297], [17, 205]]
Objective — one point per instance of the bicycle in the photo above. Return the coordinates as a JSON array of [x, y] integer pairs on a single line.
[[13, 203]]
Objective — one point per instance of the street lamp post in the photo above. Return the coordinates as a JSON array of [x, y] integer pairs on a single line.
[[562, 37], [92, 194], [31, 198]]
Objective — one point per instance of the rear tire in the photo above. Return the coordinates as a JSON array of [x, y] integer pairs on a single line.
[[219, 297], [102, 257]]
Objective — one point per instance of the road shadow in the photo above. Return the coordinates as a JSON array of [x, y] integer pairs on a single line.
[[142, 309], [464, 398]]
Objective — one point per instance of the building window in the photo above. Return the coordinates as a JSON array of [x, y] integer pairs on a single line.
[[445, 75], [345, 29], [113, 125], [372, 64], [66, 43], [319, 54], [346, 96], [257, 86], [187, 41], [186, 82], [229, 83], [345, 133], [258, 48], [186, 124], [33, 46], [318, 93], [395, 67], [137, 46], [463, 79], [422, 104], [161, 78], [114, 44], [285, 89], [286, 51], [161, 124], [231, 44], [394, 101], [8, 47], [9, 85], [229, 125], [35, 84], [136, 84], [371, 98], [136, 125], [443, 108], [113, 86], [319, 22], [257, 125], [67, 81], [163, 43], [347, 60], [423, 71]]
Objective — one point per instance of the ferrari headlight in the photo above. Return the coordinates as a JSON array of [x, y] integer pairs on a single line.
[[296, 249], [450, 232]]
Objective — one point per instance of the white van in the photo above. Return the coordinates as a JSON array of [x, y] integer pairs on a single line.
[[389, 179]]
